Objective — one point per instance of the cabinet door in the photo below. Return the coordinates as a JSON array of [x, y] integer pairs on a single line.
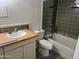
[[1, 56], [30, 51], [16, 53]]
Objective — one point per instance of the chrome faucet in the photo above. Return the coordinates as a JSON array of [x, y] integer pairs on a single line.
[[15, 30]]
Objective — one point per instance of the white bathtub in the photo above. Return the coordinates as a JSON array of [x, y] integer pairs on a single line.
[[63, 45]]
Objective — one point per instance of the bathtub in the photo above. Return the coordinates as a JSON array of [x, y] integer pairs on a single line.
[[63, 45]]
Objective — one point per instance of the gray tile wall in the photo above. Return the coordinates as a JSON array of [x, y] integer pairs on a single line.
[[67, 20], [47, 15]]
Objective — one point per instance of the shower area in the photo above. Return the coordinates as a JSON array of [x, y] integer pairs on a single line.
[[61, 18]]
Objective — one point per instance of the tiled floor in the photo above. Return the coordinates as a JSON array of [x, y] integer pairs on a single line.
[[53, 55]]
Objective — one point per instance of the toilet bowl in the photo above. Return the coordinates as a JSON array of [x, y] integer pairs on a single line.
[[46, 45]]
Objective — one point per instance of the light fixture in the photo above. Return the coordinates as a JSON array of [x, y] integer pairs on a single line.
[[76, 4]]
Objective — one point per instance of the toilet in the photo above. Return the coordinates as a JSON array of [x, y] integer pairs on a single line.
[[45, 45]]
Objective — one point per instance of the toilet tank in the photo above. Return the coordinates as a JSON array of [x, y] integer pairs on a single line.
[[41, 33]]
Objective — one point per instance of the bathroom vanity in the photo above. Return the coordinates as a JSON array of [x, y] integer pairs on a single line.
[[19, 48]]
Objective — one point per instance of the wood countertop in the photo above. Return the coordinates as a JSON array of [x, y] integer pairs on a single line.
[[4, 40]]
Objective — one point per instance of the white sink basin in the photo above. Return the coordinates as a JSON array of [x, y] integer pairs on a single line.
[[17, 34]]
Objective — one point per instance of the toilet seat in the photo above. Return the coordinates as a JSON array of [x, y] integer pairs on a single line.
[[46, 44]]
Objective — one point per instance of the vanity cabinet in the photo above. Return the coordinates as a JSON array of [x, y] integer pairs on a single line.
[[27, 51], [21, 50]]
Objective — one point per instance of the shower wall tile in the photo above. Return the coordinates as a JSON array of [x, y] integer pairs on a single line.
[[47, 15], [67, 20]]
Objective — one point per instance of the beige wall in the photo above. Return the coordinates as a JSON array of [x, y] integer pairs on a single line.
[[77, 1], [23, 11]]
